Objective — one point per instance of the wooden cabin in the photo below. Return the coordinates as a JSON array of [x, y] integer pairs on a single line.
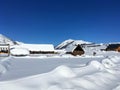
[[75, 50], [113, 47], [4, 49]]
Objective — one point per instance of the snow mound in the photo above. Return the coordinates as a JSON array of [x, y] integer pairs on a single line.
[[19, 51], [93, 76], [64, 71], [115, 59], [108, 63], [117, 88], [2, 69], [97, 65], [4, 64]]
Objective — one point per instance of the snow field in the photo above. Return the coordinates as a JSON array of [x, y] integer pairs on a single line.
[[95, 75]]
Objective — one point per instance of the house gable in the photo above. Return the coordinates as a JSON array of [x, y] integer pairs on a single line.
[[78, 50], [75, 50]]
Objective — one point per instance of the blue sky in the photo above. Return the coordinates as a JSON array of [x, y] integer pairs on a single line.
[[52, 21]]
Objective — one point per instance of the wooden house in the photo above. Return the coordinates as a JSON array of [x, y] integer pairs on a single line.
[[75, 50], [113, 47]]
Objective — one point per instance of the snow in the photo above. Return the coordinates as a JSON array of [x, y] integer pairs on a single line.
[[38, 47], [19, 51], [2, 69], [64, 71], [64, 43], [5, 40], [55, 73], [68, 42], [59, 71]]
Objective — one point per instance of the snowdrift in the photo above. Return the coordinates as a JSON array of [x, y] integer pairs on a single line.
[[95, 75], [19, 52]]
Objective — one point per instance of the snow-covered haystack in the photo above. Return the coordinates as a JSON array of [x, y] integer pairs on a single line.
[[19, 52]]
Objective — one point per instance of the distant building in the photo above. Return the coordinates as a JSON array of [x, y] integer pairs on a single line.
[[113, 47], [4, 49], [74, 50], [39, 48]]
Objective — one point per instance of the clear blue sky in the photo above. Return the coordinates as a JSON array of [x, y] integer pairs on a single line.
[[52, 21]]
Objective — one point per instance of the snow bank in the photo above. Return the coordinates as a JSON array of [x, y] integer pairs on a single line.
[[97, 65], [108, 63], [64, 71], [117, 88], [4, 64], [19, 52], [94, 76], [2, 69]]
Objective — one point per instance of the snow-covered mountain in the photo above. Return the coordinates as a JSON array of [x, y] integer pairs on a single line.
[[68, 42], [6, 40]]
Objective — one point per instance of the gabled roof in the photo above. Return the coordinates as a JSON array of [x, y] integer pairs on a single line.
[[71, 48], [73, 45], [38, 47]]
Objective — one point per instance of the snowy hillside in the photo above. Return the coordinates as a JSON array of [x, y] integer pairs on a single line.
[[6, 40], [65, 43]]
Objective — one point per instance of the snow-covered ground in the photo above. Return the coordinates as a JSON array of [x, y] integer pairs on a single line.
[[61, 72]]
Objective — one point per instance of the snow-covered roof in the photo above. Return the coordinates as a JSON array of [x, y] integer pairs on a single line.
[[38, 47], [70, 48], [64, 43], [68, 42], [73, 45], [4, 45], [19, 51], [81, 42]]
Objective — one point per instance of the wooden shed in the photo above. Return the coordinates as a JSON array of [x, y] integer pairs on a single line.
[[113, 47], [75, 50]]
